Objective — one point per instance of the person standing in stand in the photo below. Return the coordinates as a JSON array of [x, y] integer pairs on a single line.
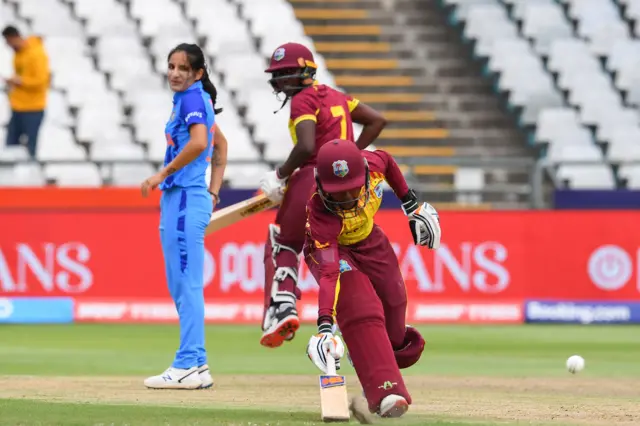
[[27, 88]]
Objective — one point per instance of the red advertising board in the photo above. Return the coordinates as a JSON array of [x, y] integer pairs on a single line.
[[111, 262]]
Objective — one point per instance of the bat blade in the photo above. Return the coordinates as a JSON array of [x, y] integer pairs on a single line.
[[236, 212], [334, 402]]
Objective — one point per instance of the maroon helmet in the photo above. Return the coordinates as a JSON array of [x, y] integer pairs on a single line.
[[341, 168], [292, 69]]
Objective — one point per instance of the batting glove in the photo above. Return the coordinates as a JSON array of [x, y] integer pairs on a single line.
[[425, 226], [325, 344], [273, 186]]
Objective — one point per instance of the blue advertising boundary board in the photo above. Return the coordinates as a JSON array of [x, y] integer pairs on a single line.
[[593, 312], [591, 199], [36, 310]]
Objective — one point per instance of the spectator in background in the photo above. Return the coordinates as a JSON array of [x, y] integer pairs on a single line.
[[27, 88]]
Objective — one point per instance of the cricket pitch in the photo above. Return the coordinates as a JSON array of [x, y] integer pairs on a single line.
[[593, 401]]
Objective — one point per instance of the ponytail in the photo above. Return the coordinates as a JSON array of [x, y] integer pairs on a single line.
[[210, 88], [197, 62]]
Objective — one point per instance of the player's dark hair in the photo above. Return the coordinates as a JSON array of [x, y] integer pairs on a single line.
[[10, 31], [197, 62]]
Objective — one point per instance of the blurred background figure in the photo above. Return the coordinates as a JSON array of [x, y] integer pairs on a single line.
[[27, 88]]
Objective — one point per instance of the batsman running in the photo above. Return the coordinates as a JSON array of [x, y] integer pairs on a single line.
[[319, 114], [357, 270]]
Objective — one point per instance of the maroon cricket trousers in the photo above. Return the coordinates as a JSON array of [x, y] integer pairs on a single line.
[[371, 314]]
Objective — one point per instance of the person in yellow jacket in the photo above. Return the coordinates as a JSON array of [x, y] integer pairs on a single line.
[[27, 88]]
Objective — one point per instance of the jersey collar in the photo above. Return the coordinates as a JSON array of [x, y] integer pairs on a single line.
[[195, 86]]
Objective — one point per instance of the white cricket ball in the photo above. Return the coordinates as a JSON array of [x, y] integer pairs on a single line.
[[575, 364]]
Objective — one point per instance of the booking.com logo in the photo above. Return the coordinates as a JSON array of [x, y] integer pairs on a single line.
[[610, 267]]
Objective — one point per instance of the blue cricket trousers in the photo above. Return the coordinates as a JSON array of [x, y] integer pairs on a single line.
[[185, 213]]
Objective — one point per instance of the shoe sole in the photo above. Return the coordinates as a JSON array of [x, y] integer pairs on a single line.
[[399, 408], [277, 337], [174, 388], [203, 387]]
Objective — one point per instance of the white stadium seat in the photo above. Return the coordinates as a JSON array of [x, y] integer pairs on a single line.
[[587, 176], [74, 174], [21, 174]]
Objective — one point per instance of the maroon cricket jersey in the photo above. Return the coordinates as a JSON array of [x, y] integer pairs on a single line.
[[326, 231], [329, 109]]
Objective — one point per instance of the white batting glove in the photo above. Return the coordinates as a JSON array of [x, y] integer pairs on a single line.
[[424, 223], [273, 186], [322, 345]]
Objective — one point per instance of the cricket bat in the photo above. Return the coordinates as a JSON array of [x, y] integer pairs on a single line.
[[236, 212], [334, 403]]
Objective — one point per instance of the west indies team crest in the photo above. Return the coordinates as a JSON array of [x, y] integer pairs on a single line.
[[340, 168], [278, 55]]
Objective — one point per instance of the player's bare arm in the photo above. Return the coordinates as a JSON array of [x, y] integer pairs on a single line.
[[218, 163], [196, 146], [372, 121], [306, 134]]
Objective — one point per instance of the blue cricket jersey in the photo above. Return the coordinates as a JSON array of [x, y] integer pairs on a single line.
[[193, 106]]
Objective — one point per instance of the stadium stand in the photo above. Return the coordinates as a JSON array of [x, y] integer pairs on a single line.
[[470, 85], [571, 67]]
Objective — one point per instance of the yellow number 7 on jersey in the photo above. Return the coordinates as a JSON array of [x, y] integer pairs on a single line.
[[338, 111]]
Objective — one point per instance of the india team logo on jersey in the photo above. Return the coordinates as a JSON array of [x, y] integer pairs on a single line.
[[278, 55], [340, 168]]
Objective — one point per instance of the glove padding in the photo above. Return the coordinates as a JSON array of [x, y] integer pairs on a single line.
[[273, 186], [321, 346], [424, 223]]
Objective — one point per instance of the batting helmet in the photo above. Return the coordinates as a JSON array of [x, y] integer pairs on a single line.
[[341, 168], [292, 68]]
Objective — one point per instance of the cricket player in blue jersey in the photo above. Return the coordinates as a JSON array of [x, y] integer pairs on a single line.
[[186, 206]]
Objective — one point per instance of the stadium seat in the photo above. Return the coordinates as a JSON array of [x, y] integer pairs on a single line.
[[21, 174], [10, 154], [130, 174], [632, 175], [469, 181], [57, 144], [115, 148], [245, 176], [74, 174], [5, 110], [587, 176], [569, 152]]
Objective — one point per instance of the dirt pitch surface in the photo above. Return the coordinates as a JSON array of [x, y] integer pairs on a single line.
[[570, 400]]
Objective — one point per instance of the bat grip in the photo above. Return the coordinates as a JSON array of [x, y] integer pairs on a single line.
[[331, 365]]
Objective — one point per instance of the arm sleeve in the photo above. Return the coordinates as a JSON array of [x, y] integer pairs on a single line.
[[352, 103], [324, 229], [37, 73], [192, 110], [392, 174], [304, 107]]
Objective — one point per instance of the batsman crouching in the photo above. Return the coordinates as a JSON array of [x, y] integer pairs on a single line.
[[358, 272]]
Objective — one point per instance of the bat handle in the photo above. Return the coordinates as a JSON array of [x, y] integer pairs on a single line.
[[331, 365]]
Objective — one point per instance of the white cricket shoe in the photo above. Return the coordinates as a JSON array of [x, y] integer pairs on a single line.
[[175, 378], [205, 377], [393, 406]]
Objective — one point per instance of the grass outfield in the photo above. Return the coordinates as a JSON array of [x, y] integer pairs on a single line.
[[92, 374]]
